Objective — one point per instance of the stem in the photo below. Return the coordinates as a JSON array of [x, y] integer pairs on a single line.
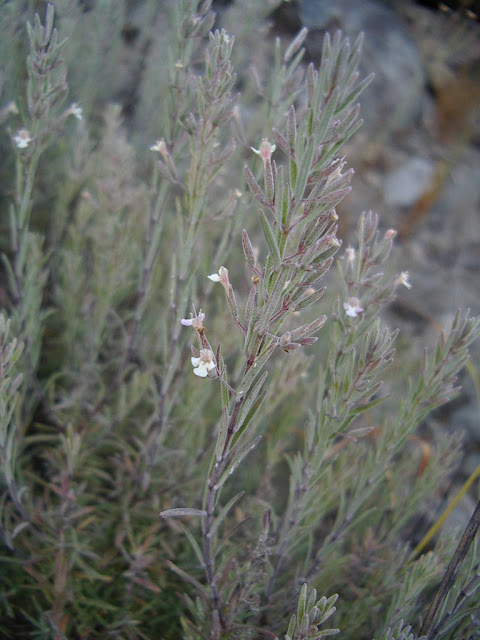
[[289, 522], [209, 506], [451, 572]]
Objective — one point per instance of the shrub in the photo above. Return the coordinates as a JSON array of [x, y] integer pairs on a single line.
[[271, 448]]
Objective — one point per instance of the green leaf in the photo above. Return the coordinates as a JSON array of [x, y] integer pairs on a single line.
[[222, 433], [310, 299], [293, 172], [194, 544], [356, 92], [291, 626], [187, 578], [306, 156], [221, 516], [255, 187], [250, 399], [225, 393], [326, 117], [236, 459], [249, 416], [302, 602], [270, 238], [182, 511], [248, 249], [323, 634], [279, 196], [368, 405]]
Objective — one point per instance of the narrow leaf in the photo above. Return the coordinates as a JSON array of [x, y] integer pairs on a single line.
[[248, 249], [302, 601], [270, 238], [368, 405], [236, 459], [188, 578], [252, 396], [222, 434], [194, 544], [279, 195], [221, 516], [310, 299], [308, 329], [249, 416], [325, 633], [182, 511], [255, 187]]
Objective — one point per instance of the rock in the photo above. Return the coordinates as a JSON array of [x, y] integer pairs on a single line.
[[394, 99], [404, 185]]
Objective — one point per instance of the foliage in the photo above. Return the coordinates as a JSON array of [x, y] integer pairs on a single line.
[[280, 459]]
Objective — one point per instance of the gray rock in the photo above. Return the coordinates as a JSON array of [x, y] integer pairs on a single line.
[[404, 185], [394, 99]]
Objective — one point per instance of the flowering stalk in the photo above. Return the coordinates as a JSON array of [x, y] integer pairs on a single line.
[[193, 26], [300, 233], [46, 92], [214, 112], [202, 124], [27, 271], [348, 383]]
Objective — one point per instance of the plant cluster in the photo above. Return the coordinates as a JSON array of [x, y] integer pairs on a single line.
[[249, 450]]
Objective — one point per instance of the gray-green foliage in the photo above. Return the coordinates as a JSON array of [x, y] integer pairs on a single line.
[[283, 466]]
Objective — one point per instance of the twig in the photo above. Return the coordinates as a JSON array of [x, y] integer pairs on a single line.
[[452, 570]]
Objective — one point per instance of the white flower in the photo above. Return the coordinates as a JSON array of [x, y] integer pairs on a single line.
[[222, 277], [403, 279], [350, 253], [265, 151], [76, 111], [159, 146], [22, 138], [203, 364], [196, 321], [352, 307]]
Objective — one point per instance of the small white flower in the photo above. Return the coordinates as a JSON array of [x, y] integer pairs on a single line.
[[403, 279], [222, 277], [159, 146], [76, 111], [352, 307], [203, 364], [196, 321], [265, 151], [350, 253], [22, 138]]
